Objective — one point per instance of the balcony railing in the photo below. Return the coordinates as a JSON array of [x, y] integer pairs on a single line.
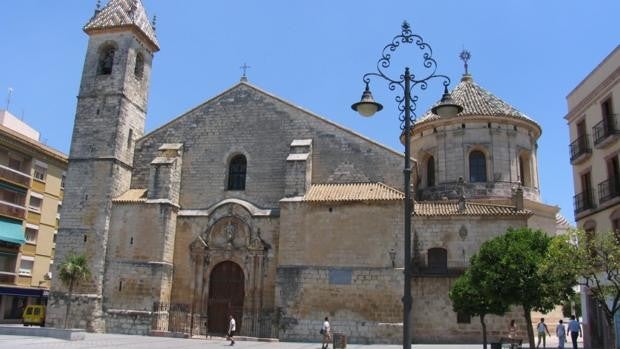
[[12, 210], [605, 129], [608, 189], [579, 147], [584, 201], [14, 176]]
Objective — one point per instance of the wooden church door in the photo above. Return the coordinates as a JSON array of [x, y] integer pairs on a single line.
[[226, 293]]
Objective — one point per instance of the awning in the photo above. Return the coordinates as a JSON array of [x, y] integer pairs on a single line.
[[12, 231], [27, 292]]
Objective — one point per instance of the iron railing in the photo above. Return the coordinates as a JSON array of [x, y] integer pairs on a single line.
[[579, 147], [604, 129], [608, 189], [584, 201]]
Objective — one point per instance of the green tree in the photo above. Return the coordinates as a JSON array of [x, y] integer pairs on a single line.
[[593, 261], [72, 271], [508, 269], [467, 299]]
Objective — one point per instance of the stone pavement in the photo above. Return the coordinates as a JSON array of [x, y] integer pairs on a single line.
[[116, 341]]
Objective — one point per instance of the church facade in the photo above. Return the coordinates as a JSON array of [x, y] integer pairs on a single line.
[[248, 205]]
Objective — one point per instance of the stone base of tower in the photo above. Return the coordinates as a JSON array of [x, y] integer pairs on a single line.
[[86, 312], [134, 322]]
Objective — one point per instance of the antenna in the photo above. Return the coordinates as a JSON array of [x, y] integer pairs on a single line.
[[8, 98]]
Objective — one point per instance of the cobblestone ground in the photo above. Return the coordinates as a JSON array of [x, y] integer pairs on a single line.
[[114, 341]]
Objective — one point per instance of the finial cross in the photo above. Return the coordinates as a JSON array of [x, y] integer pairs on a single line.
[[465, 56], [245, 68]]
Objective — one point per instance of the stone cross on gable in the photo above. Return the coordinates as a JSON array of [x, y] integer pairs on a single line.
[[245, 68]]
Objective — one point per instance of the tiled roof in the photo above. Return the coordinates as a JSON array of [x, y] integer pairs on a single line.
[[132, 195], [451, 208], [476, 101], [352, 192], [121, 13], [561, 221]]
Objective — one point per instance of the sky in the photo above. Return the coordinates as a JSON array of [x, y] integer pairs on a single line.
[[530, 53]]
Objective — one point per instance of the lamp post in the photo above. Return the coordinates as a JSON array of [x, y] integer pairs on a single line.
[[407, 103]]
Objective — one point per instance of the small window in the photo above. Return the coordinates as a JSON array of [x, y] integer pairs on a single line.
[[25, 267], [463, 318], [106, 60], [129, 139], [31, 235], [40, 172], [477, 166], [138, 69], [35, 203], [430, 172], [236, 173], [62, 180]]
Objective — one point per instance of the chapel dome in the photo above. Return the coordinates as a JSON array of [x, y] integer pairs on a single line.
[[490, 148]]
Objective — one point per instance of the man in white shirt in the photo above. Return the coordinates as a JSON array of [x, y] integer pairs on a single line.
[[232, 327], [575, 330]]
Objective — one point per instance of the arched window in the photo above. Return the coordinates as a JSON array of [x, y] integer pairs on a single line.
[[138, 69], [236, 173], [437, 260], [106, 60], [430, 172], [477, 166]]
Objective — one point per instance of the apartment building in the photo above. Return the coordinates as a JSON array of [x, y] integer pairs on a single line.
[[593, 108], [31, 192]]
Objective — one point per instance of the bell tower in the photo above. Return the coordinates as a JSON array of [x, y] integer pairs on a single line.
[[110, 116]]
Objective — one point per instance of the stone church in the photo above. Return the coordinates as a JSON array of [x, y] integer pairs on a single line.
[[251, 206]]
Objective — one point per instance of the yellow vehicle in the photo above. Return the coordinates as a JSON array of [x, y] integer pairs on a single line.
[[34, 315]]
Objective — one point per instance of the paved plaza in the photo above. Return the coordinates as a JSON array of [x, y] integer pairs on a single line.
[[115, 341]]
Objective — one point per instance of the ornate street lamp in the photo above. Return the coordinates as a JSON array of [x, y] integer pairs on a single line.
[[407, 104]]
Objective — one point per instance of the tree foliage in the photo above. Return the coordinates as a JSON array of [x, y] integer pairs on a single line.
[[466, 298], [508, 269], [71, 272], [592, 260]]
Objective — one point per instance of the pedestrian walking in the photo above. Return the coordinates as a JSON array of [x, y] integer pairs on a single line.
[[512, 330], [560, 331], [575, 330], [542, 332], [232, 327], [326, 331]]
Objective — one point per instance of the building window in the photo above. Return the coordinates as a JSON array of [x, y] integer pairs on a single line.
[[7, 262], [477, 166], [129, 139], [25, 266], [31, 235], [430, 172], [463, 318], [40, 172], [525, 170], [138, 69], [106, 60], [62, 180], [236, 173], [15, 164], [35, 203], [437, 260]]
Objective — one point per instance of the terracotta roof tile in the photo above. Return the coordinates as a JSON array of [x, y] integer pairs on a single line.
[[132, 195], [477, 101], [352, 192], [120, 13], [451, 208]]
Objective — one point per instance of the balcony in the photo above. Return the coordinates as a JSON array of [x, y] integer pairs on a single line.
[[605, 132], [8, 209], [608, 189], [10, 175], [584, 201], [580, 149]]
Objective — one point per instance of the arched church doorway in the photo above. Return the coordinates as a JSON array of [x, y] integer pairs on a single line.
[[226, 292]]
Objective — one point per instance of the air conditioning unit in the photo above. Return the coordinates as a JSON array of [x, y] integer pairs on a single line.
[[47, 276]]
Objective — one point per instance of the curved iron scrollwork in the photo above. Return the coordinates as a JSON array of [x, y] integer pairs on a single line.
[[416, 81]]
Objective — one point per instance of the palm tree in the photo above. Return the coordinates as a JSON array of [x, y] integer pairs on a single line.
[[73, 270]]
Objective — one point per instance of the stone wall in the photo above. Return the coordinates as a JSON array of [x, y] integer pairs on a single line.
[[362, 303]]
